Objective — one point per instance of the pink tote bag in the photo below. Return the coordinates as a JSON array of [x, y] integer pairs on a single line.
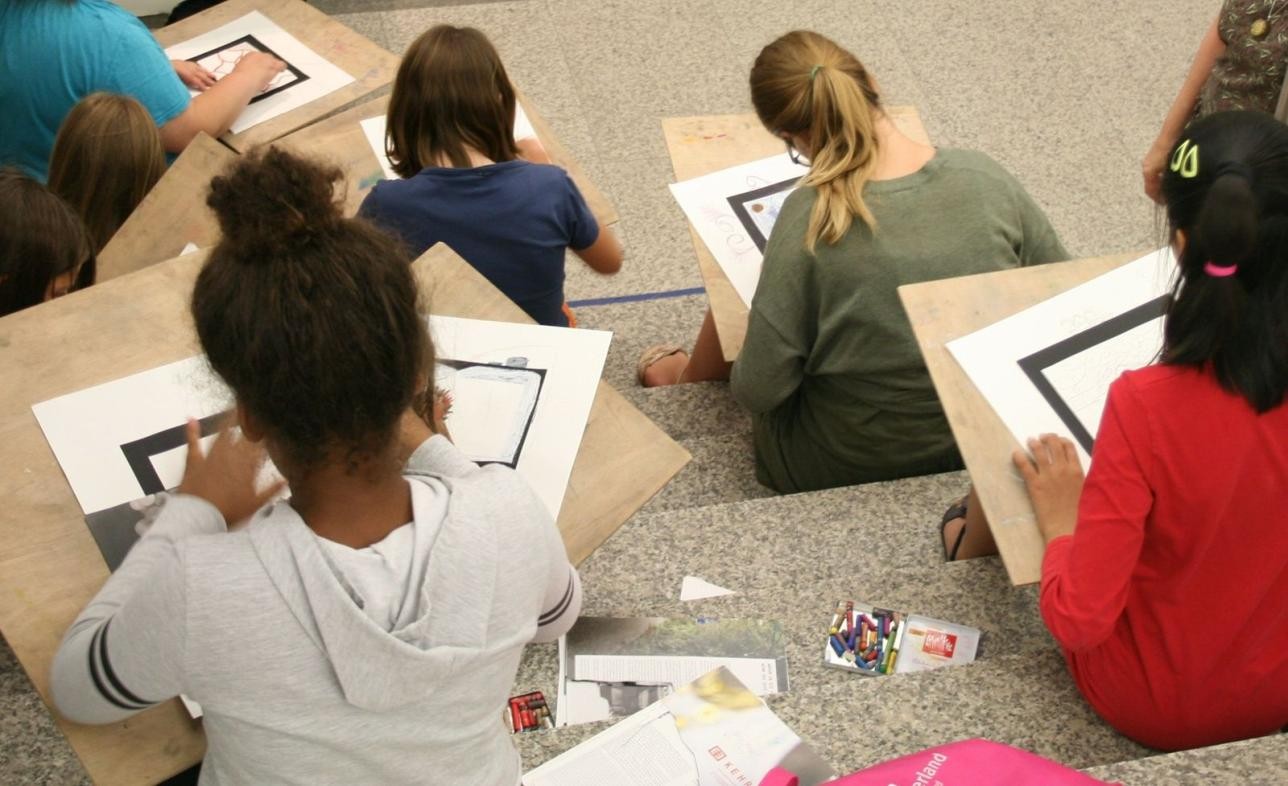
[[965, 763]]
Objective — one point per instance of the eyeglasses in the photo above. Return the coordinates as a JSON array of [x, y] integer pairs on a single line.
[[795, 155]]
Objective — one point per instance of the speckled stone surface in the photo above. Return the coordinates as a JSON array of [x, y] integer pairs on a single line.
[[32, 749], [1068, 96], [1260, 762]]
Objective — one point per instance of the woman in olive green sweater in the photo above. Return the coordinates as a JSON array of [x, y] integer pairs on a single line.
[[830, 368]]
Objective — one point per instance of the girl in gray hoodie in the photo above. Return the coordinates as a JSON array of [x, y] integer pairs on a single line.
[[368, 629]]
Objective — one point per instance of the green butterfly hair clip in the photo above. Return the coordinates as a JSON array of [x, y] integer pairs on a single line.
[[1185, 161]]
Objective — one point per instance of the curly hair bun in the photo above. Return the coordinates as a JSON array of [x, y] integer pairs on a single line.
[[271, 201]]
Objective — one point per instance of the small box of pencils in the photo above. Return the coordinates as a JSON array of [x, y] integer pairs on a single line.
[[529, 712], [873, 641]]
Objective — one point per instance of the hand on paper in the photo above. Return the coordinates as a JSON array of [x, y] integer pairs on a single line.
[[226, 477], [1053, 477], [193, 75], [260, 67]]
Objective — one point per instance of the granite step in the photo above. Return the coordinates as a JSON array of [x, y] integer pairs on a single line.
[[805, 537], [691, 411], [722, 470], [1258, 761]]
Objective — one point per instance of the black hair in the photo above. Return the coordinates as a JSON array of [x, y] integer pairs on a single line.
[[311, 318], [41, 238], [1226, 190]]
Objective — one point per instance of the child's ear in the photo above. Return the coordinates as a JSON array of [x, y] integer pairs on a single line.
[[250, 426]]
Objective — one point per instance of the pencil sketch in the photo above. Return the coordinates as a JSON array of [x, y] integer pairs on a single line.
[[1074, 375], [492, 407], [221, 61], [757, 210]]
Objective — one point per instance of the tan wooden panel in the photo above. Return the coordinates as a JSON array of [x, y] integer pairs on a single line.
[[173, 214], [339, 139], [941, 311], [371, 67], [49, 565], [702, 145]]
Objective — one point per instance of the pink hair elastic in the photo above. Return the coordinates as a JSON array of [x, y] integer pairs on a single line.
[[1219, 271]]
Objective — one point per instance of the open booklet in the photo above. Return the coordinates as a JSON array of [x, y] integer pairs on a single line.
[[709, 732], [612, 667]]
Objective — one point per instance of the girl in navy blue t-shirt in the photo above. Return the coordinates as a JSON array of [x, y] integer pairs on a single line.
[[467, 183]]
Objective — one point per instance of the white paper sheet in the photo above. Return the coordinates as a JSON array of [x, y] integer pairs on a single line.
[[1077, 342], [710, 732], [373, 128], [733, 210], [694, 588], [312, 78], [88, 429]]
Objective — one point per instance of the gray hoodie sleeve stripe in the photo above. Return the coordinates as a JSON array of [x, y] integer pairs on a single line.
[[560, 607], [99, 666]]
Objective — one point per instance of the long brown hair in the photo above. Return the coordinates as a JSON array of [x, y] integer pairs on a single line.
[[451, 93], [311, 318], [106, 158], [805, 83], [41, 238]]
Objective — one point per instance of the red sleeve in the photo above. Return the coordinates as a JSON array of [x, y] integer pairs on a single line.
[[1085, 576]]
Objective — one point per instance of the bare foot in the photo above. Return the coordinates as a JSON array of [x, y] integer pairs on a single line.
[[666, 371]]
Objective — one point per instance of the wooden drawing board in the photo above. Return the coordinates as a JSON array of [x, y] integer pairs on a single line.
[[340, 140], [941, 311], [371, 67], [701, 145], [173, 214], [49, 565]]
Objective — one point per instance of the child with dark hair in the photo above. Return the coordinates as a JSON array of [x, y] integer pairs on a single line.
[[368, 630], [45, 251], [450, 135], [1166, 572]]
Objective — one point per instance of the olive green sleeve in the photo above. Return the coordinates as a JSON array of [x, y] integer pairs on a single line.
[[1040, 243], [779, 337]]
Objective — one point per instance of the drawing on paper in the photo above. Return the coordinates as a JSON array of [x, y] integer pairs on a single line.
[[221, 61], [1074, 375], [141, 454], [492, 407], [758, 209], [118, 528]]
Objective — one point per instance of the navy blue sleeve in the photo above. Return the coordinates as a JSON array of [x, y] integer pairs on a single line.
[[583, 229]]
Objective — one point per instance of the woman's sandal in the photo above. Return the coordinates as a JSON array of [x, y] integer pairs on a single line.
[[956, 511], [652, 355]]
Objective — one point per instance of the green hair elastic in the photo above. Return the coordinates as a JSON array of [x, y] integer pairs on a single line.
[[813, 72], [1185, 161]]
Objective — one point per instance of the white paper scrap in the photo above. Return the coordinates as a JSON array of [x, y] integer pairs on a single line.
[[694, 588]]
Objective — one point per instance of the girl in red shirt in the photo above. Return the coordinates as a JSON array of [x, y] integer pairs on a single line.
[[1165, 577]]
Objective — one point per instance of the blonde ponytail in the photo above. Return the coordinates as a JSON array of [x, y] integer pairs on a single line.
[[806, 83]]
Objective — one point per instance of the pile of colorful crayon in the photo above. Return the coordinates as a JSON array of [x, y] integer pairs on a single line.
[[530, 712], [868, 641]]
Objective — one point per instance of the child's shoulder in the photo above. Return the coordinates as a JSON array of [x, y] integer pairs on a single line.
[[974, 162]]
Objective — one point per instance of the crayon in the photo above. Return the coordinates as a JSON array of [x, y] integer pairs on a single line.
[[849, 616], [836, 618], [837, 645], [854, 639], [516, 721]]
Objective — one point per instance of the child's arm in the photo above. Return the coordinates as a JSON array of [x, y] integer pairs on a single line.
[[605, 254], [561, 601], [125, 652], [1094, 538], [216, 109], [1210, 49]]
